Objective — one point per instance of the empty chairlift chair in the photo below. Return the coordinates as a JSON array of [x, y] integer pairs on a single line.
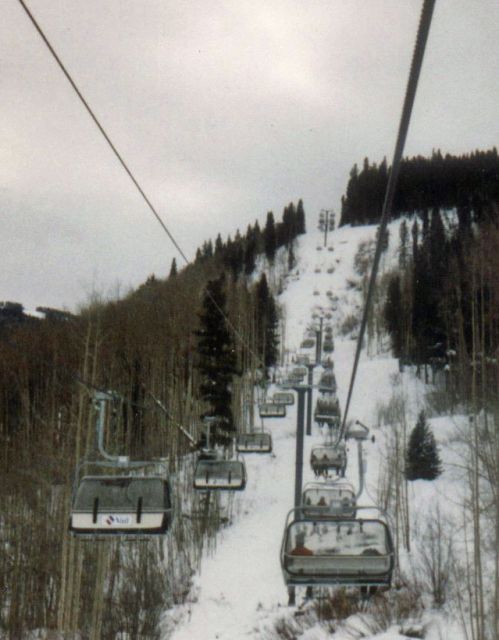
[[343, 552], [307, 343], [220, 475], [255, 442], [328, 345], [281, 397], [327, 411], [327, 382], [294, 379], [329, 499], [272, 410], [327, 458], [121, 505], [300, 371]]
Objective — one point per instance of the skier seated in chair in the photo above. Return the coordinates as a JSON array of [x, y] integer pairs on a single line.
[[300, 548]]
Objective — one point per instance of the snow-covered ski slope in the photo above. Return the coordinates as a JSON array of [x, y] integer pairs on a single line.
[[240, 592]]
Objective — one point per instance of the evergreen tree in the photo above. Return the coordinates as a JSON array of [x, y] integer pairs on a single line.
[[393, 313], [233, 256], [207, 250], [404, 245], [269, 236], [217, 357], [250, 251], [219, 245], [422, 461], [415, 238], [289, 225], [268, 322], [173, 268], [300, 218]]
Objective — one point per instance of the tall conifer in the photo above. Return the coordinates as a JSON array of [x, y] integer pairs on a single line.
[[217, 357], [422, 458]]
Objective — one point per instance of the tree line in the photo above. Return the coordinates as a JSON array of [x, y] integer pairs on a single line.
[[239, 254], [468, 183]]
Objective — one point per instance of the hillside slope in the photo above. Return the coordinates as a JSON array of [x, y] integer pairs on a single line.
[[240, 592]]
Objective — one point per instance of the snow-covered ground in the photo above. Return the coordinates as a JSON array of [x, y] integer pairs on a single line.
[[240, 592]]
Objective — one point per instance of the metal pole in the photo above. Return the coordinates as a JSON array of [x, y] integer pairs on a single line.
[[100, 400], [310, 368], [318, 342], [300, 428], [361, 469]]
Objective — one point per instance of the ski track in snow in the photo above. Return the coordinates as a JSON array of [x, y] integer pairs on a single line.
[[240, 589]]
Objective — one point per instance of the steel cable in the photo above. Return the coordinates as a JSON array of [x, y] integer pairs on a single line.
[[417, 61], [131, 175]]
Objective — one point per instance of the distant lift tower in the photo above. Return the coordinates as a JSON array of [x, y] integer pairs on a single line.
[[326, 222]]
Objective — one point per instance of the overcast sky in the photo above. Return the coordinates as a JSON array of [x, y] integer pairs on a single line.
[[223, 109]]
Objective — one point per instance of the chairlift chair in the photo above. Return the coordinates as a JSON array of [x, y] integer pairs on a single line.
[[328, 346], [327, 410], [281, 397], [328, 363], [220, 475], [329, 499], [343, 552], [120, 505], [299, 371], [327, 382], [357, 431], [327, 458], [307, 343], [272, 410], [255, 442]]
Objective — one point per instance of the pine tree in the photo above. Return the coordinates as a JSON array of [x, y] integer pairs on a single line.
[[173, 268], [217, 357], [422, 461], [219, 245], [269, 236], [404, 245], [250, 251], [393, 312], [300, 218], [268, 322]]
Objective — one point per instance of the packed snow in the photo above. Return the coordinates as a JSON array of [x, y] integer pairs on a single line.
[[240, 592]]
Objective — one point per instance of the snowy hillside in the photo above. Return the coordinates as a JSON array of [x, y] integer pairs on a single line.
[[240, 592]]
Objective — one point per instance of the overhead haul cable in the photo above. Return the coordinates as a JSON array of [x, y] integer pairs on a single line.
[[417, 61], [129, 172]]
